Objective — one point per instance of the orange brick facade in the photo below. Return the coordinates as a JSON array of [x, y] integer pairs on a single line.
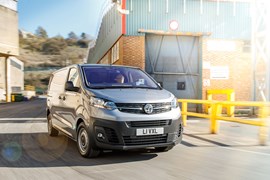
[[131, 52], [239, 64], [134, 51]]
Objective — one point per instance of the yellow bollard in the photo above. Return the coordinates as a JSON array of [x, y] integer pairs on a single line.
[[263, 131], [216, 110], [12, 98], [230, 109], [207, 107], [184, 113]]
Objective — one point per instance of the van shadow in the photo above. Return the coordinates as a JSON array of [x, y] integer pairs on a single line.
[[41, 150]]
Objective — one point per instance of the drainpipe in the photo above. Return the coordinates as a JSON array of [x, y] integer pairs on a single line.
[[7, 80]]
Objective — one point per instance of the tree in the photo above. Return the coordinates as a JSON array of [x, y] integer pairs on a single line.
[[83, 36], [72, 35], [41, 32], [83, 43], [72, 39]]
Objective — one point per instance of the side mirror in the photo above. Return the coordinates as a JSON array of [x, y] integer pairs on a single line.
[[159, 85], [70, 87]]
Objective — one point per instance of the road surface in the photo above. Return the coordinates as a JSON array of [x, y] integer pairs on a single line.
[[27, 152]]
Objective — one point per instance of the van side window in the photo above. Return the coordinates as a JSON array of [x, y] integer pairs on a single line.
[[74, 77], [57, 80]]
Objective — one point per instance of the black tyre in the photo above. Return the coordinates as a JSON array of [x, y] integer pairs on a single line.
[[51, 130], [163, 149], [84, 144]]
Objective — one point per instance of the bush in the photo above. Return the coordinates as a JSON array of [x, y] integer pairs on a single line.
[[54, 46]]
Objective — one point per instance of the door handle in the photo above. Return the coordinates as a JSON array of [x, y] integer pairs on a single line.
[[62, 97]]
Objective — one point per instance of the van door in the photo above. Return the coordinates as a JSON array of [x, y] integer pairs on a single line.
[[71, 101], [55, 94]]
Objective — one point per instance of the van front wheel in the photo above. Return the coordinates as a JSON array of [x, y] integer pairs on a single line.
[[83, 142]]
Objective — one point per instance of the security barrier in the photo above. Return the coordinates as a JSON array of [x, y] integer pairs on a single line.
[[216, 114], [230, 97]]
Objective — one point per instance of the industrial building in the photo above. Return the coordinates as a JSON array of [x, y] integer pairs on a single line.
[[11, 69], [188, 46]]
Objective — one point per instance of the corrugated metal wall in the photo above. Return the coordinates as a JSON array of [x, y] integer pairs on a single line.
[[229, 21], [175, 62], [110, 30]]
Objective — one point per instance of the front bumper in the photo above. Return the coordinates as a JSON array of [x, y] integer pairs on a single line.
[[121, 135]]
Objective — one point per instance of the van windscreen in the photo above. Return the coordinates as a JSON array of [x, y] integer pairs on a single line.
[[117, 77]]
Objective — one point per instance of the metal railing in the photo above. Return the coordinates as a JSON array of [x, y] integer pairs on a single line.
[[215, 115]]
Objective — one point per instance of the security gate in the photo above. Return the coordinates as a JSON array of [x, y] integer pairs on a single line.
[[175, 62]]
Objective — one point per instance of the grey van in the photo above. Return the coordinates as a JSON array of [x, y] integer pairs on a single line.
[[107, 107]]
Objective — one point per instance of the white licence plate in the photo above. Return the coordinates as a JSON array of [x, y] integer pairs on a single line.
[[149, 131]]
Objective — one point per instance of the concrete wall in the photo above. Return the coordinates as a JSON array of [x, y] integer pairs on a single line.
[[2, 79], [15, 76], [9, 38], [2, 73]]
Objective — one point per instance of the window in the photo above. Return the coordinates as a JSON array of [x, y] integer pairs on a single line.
[[115, 52], [57, 82], [74, 77]]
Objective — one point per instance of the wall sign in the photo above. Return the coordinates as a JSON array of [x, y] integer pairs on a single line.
[[219, 72], [174, 25]]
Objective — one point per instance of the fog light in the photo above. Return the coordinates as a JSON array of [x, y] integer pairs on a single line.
[[100, 136]]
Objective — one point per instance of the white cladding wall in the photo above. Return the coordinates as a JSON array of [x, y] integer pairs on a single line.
[[11, 4], [16, 75]]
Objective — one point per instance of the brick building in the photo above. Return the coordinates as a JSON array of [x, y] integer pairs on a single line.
[[188, 46]]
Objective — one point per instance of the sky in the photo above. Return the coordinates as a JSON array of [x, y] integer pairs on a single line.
[[60, 17]]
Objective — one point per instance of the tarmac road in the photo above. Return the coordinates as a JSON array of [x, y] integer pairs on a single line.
[[27, 152], [26, 109]]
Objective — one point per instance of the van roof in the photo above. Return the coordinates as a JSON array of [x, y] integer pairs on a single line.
[[106, 65], [93, 65]]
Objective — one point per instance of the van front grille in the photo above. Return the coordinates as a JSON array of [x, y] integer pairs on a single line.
[[145, 140], [155, 123], [111, 135], [137, 108]]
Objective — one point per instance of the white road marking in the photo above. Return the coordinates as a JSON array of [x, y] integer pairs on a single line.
[[23, 128], [192, 121], [253, 152], [22, 119]]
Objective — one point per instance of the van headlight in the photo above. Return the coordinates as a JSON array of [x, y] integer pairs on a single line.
[[174, 103], [101, 103]]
